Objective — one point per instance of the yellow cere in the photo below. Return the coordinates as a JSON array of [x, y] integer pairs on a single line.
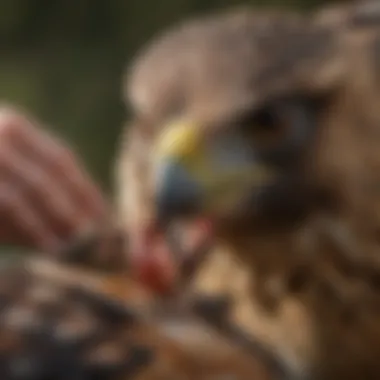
[[179, 140]]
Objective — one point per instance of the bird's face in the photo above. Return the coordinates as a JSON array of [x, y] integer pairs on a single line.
[[250, 167]]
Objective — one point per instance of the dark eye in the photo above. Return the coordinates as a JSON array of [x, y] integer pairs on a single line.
[[266, 119], [282, 123], [266, 126]]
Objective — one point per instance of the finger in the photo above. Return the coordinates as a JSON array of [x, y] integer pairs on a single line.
[[78, 182], [28, 227], [62, 165], [48, 198], [22, 134]]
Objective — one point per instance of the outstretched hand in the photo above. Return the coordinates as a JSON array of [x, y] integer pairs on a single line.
[[46, 196]]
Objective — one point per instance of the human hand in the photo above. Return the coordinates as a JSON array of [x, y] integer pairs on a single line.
[[46, 196]]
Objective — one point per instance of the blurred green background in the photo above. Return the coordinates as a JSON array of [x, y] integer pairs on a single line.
[[62, 60]]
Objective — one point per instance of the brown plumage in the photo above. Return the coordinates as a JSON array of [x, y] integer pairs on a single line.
[[305, 283], [61, 322]]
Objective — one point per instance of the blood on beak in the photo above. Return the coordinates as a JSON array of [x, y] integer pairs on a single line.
[[157, 263]]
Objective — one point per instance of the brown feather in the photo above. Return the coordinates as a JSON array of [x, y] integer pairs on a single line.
[[61, 322]]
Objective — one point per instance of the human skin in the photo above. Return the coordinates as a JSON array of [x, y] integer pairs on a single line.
[[46, 195]]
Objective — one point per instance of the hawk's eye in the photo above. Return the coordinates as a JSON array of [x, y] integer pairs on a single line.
[[265, 120], [265, 127], [282, 129]]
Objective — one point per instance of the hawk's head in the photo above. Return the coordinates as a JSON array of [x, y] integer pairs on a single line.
[[233, 121], [243, 115], [251, 166]]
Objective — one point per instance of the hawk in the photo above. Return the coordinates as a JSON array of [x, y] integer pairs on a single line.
[[265, 125]]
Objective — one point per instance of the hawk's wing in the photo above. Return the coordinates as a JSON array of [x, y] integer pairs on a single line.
[[61, 322]]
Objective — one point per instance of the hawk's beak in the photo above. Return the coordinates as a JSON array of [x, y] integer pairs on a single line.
[[199, 174], [179, 163]]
